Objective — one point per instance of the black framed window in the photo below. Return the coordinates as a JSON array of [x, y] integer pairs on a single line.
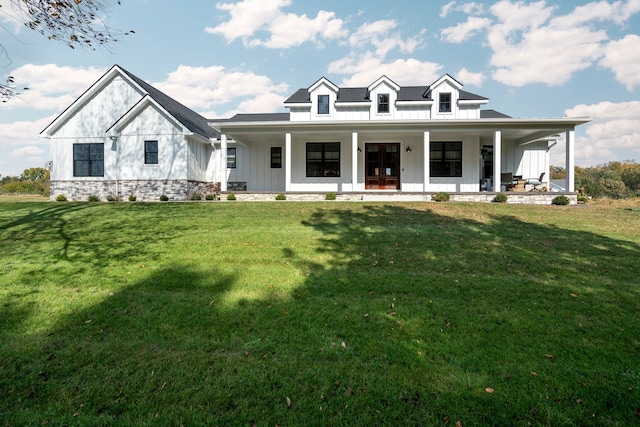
[[231, 158], [151, 152], [88, 159], [446, 159], [323, 104], [383, 103], [276, 157], [445, 102], [323, 159]]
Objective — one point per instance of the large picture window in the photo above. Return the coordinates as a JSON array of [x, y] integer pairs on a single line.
[[151, 152], [88, 159], [446, 159], [323, 104], [323, 159], [231, 158], [383, 103]]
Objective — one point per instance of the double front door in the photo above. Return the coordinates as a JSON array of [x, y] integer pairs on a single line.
[[383, 166]]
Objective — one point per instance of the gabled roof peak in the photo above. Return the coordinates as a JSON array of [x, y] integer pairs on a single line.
[[387, 80], [323, 81]]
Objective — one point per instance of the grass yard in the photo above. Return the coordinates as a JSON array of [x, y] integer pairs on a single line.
[[333, 313]]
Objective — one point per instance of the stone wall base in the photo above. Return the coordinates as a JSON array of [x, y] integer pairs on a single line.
[[145, 191]]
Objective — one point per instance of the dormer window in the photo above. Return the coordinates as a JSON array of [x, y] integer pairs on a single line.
[[445, 103], [383, 103], [323, 104]]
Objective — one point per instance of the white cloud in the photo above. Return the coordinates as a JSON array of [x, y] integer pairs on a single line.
[[367, 68], [531, 43], [51, 87], [206, 88], [623, 58], [285, 29], [463, 31], [28, 151], [11, 14], [444, 11], [380, 36], [467, 77], [21, 146], [468, 8], [612, 135]]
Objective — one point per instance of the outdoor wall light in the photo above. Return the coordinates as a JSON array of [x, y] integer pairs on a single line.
[[408, 150], [359, 150]]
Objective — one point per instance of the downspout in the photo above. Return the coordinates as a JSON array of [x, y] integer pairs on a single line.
[[114, 142]]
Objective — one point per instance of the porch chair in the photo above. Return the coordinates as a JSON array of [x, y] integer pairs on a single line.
[[506, 180], [536, 182]]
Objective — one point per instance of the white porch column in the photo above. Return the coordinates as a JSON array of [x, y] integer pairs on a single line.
[[426, 160], [497, 159], [570, 167], [223, 161], [287, 161], [354, 161]]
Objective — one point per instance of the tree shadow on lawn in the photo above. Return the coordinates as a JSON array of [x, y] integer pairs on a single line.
[[405, 316]]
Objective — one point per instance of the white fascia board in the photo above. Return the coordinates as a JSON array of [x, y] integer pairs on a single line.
[[82, 100], [414, 103], [365, 104], [147, 100], [384, 79], [473, 101], [326, 82], [448, 78], [297, 104]]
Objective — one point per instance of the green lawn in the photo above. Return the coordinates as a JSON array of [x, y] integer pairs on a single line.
[[332, 313]]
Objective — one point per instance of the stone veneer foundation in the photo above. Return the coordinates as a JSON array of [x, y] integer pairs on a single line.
[[145, 191]]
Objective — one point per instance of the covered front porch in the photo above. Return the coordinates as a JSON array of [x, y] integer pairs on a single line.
[[418, 157]]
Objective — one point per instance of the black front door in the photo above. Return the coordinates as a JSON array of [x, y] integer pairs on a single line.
[[383, 167]]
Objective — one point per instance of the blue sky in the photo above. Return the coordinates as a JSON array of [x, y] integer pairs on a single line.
[[530, 58]]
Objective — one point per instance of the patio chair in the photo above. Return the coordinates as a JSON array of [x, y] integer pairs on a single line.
[[506, 179], [536, 182]]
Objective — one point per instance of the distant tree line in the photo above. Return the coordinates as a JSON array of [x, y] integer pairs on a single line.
[[31, 181], [616, 180]]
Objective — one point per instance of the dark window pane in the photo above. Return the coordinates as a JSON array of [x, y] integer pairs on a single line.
[[151, 152], [445, 102], [276, 157], [88, 159], [323, 104], [323, 159], [383, 103], [231, 158], [445, 159]]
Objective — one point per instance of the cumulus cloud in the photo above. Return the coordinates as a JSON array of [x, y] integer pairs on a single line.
[[612, 135], [285, 30], [532, 43], [467, 77], [463, 31], [623, 58], [21, 146], [207, 88], [51, 87], [367, 68]]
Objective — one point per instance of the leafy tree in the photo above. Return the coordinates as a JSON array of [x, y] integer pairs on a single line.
[[35, 174], [76, 23], [557, 172], [631, 178]]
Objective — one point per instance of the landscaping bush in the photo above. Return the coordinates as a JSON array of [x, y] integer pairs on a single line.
[[210, 197], [195, 196], [281, 196], [330, 196], [231, 196], [93, 198], [112, 198], [560, 200], [442, 196], [164, 198], [132, 198], [61, 198], [501, 198]]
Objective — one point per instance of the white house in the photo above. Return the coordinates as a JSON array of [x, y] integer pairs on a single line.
[[125, 137]]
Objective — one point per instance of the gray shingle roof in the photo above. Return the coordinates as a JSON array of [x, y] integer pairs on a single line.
[[493, 114], [468, 96], [266, 117], [353, 94], [189, 118], [413, 93], [301, 96]]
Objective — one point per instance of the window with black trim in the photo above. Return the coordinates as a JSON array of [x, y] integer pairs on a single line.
[[276, 157], [88, 159], [445, 102], [446, 159], [323, 104], [323, 159], [383, 103], [151, 152], [231, 158]]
